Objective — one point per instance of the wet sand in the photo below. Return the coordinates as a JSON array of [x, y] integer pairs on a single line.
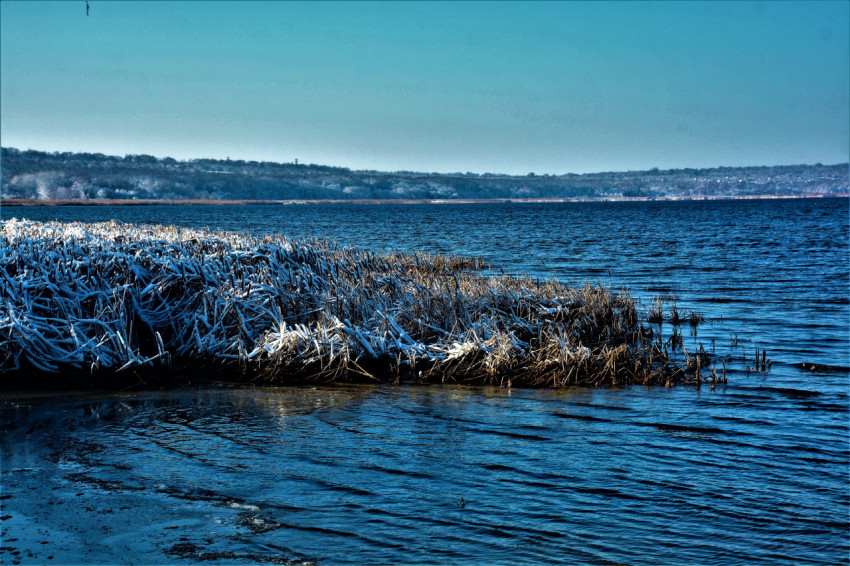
[[70, 499]]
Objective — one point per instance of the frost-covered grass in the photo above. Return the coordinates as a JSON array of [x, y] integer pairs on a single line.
[[155, 304]]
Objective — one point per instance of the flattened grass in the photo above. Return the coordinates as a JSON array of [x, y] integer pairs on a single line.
[[120, 303]]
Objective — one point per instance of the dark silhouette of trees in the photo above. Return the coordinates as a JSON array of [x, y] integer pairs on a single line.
[[42, 175]]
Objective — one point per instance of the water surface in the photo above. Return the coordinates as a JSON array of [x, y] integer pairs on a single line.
[[755, 471]]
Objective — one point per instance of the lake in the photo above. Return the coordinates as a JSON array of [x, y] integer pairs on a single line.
[[754, 471]]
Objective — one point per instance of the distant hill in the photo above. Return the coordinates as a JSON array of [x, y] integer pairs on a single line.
[[57, 176]]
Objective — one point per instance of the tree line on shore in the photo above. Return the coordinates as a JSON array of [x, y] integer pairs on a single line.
[[42, 175]]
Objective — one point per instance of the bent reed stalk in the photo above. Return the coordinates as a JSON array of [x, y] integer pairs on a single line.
[[109, 302]]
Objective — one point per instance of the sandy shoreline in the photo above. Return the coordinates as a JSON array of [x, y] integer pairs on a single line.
[[126, 202]]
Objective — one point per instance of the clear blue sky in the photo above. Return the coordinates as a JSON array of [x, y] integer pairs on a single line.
[[547, 87]]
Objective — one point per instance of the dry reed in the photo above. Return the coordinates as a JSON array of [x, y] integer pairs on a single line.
[[152, 304]]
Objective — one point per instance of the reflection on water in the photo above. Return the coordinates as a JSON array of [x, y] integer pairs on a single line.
[[407, 475]]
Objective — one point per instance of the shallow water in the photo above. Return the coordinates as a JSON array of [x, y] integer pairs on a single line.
[[755, 471]]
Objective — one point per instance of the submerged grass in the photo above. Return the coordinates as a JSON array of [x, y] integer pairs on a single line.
[[113, 303]]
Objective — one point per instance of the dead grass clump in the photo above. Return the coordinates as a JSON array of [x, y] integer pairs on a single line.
[[664, 309], [152, 301]]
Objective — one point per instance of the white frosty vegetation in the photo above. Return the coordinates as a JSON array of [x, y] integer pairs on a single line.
[[115, 300]]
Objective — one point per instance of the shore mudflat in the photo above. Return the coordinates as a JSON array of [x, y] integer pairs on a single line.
[[120, 304]]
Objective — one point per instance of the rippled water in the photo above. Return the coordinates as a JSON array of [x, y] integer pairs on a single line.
[[755, 472]]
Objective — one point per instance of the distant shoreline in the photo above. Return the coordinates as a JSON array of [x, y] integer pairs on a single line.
[[14, 202]]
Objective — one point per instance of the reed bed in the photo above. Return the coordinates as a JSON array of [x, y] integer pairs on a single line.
[[117, 303]]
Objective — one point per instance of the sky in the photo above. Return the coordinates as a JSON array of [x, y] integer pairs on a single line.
[[500, 87]]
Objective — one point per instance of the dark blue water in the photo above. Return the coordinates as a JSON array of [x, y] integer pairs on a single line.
[[753, 472]]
